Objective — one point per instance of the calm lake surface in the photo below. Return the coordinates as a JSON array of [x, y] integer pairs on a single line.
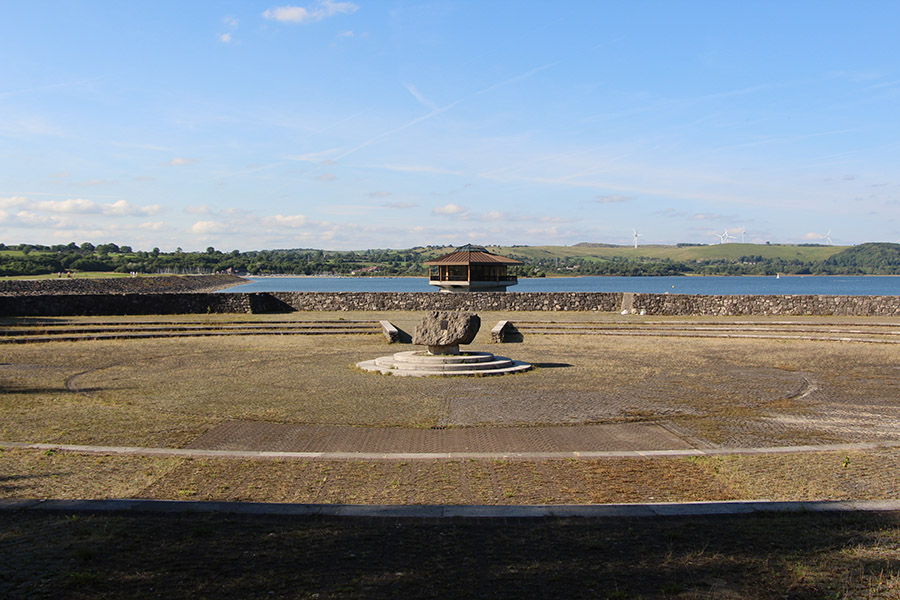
[[839, 286]]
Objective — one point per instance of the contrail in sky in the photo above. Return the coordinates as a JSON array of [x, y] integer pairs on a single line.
[[444, 109], [47, 87], [425, 117]]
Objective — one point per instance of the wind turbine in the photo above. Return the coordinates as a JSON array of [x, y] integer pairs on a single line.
[[724, 236], [636, 236], [743, 231], [828, 238]]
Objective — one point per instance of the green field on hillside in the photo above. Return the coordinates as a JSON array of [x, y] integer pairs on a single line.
[[678, 253], [732, 251]]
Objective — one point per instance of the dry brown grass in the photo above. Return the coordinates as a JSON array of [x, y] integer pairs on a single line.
[[798, 556], [858, 475], [166, 392]]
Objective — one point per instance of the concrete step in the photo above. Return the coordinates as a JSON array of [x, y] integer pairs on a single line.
[[497, 363], [419, 364], [421, 357]]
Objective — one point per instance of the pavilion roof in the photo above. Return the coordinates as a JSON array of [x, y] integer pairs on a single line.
[[472, 255]]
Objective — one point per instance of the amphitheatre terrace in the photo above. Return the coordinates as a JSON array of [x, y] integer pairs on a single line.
[[263, 403]]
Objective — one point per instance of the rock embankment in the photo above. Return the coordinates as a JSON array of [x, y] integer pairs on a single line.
[[165, 284], [159, 300]]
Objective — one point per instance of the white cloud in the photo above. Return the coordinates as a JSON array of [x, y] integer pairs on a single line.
[[317, 12], [152, 226], [179, 161], [495, 215], [329, 235], [202, 209], [13, 201], [399, 205], [28, 218], [80, 206], [379, 194], [286, 220], [550, 232], [326, 177], [232, 23], [235, 211], [611, 199], [287, 14], [449, 209], [207, 227], [125, 208], [345, 34]]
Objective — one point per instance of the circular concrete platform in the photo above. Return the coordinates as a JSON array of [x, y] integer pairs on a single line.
[[419, 363]]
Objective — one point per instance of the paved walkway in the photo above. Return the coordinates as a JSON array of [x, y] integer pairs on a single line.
[[279, 437], [407, 456]]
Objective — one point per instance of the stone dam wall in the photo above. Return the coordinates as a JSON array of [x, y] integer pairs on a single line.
[[262, 302], [118, 285]]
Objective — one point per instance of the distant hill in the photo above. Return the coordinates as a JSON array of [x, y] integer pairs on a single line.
[[679, 253], [866, 259], [587, 258]]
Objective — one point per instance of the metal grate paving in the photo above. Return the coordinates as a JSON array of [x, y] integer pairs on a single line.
[[278, 437]]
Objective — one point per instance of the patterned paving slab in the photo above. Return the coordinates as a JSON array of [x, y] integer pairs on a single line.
[[278, 437]]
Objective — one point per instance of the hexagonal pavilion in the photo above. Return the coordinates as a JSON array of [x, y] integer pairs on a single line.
[[471, 269]]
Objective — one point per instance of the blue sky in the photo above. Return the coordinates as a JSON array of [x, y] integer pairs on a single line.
[[352, 125]]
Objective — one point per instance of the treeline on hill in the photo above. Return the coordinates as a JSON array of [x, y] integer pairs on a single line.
[[31, 259], [876, 258]]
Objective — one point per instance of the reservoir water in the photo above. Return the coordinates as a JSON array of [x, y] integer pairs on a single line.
[[838, 286]]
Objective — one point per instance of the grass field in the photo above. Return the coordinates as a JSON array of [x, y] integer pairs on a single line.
[[731, 251], [168, 391], [722, 391], [796, 556]]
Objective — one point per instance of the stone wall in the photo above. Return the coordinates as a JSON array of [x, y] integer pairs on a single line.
[[118, 285], [260, 302], [685, 304], [58, 305], [475, 301]]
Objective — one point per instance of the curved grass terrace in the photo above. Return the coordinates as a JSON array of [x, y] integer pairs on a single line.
[[603, 381]]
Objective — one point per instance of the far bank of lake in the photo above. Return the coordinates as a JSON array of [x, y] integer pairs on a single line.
[[729, 286]]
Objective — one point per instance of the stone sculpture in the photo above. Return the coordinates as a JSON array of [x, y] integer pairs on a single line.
[[444, 331]]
